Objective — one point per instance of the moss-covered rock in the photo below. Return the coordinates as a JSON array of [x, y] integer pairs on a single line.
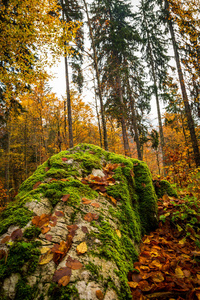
[[75, 226], [163, 187]]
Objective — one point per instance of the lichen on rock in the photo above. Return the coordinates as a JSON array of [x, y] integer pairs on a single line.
[[74, 228]]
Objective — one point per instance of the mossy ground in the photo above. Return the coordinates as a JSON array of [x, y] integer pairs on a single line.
[[164, 187], [136, 207]]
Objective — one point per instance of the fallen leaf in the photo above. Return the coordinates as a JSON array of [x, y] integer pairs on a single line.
[[65, 197], [45, 230], [158, 277], [64, 159], [133, 284], [147, 241], [165, 197], [179, 273], [86, 201], [95, 216], [48, 237], [36, 185], [81, 248], [84, 229], [46, 258], [5, 239], [73, 264], [16, 234], [118, 232], [88, 217], [95, 205], [59, 213], [99, 295], [64, 280], [44, 250], [61, 273]]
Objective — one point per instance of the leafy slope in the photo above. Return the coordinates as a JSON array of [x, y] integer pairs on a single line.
[[168, 266]]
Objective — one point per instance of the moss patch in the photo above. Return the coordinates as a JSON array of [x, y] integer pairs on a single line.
[[62, 293], [21, 252], [164, 187]]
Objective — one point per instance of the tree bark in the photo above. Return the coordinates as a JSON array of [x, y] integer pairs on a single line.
[[123, 122], [69, 112], [134, 124], [190, 121], [105, 138]]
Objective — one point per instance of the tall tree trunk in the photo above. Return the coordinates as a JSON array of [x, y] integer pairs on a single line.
[[7, 170], [123, 122], [190, 121], [69, 112], [105, 138], [98, 119], [134, 123], [162, 142]]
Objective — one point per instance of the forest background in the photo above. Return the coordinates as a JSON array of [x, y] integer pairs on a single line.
[[130, 64]]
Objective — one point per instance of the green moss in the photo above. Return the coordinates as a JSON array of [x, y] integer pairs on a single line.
[[19, 254], [57, 173], [147, 198], [119, 250], [24, 291], [38, 175], [32, 232], [94, 270], [164, 187], [62, 293], [14, 214]]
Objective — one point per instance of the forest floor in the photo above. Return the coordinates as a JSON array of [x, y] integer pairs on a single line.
[[169, 261]]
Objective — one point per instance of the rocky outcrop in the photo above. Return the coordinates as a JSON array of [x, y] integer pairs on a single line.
[[73, 230]]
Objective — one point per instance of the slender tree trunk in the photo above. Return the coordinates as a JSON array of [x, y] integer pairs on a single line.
[[162, 142], [69, 112], [188, 113], [98, 119], [7, 170], [134, 123], [123, 122], [105, 138], [25, 147]]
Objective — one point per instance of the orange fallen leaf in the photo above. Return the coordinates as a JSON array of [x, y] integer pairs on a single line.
[[179, 273], [65, 197], [64, 280], [45, 230], [95, 205], [133, 284], [99, 295], [158, 277], [88, 217]]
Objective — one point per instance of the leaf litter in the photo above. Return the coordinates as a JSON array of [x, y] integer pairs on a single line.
[[169, 264]]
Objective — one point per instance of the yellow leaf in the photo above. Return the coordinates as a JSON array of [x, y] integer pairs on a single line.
[[118, 232], [179, 273], [179, 228], [182, 242], [147, 241], [133, 284], [165, 197], [46, 258], [198, 276], [81, 248], [158, 277], [44, 250]]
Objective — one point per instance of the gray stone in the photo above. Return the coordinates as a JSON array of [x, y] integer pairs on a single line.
[[10, 284]]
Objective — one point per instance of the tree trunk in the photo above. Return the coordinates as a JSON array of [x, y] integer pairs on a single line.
[[97, 112], [134, 123], [162, 142], [190, 121], [69, 113], [105, 138], [123, 122]]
